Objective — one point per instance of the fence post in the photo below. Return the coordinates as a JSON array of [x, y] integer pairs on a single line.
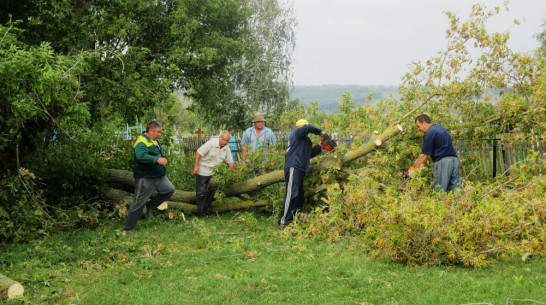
[[494, 158]]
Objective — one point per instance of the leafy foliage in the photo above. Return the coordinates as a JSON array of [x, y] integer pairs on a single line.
[[132, 54], [405, 220], [40, 92], [409, 223]]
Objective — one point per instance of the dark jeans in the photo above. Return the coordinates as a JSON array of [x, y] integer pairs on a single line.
[[204, 191], [144, 188]]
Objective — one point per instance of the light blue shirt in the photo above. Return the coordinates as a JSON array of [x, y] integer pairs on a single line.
[[253, 141]]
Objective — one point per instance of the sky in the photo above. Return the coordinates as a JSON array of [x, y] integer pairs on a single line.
[[373, 42]]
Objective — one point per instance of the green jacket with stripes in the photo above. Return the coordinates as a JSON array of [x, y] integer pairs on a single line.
[[147, 152]]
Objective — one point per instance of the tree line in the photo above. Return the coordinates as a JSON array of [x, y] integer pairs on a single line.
[[76, 64]]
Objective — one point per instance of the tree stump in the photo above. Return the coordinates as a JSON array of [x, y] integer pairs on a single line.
[[10, 288]]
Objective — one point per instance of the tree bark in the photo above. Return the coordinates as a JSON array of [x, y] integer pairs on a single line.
[[119, 195], [10, 288], [254, 184], [126, 179]]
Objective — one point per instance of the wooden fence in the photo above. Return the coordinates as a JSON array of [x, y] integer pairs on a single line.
[[191, 144], [495, 157], [489, 160]]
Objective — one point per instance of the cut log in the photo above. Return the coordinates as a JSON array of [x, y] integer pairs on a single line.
[[119, 195], [371, 145], [10, 288], [126, 177]]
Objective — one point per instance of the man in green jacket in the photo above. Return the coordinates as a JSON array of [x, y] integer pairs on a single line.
[[150, 175]]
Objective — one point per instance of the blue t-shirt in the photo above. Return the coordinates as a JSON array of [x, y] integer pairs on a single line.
[[300, 148], [251, 139], [437, 143]]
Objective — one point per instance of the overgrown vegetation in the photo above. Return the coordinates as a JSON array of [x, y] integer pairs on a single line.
[[367, 201]]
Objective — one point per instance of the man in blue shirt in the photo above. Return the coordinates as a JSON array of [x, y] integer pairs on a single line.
[[257, 136], [437, 144], [296, 163]]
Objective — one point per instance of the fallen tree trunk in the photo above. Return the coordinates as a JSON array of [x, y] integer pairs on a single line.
[[254, 184], [120, 195], [10, 288], [126, 178]]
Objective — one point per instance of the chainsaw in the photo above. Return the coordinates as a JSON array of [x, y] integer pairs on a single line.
[[328, 143], [408, 174]]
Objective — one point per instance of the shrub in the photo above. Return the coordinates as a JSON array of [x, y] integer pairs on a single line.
[[23, 214], [408, 222]]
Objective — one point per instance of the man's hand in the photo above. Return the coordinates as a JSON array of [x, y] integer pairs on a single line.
[[408, 174], [162, 161], [245, 153], [196, 164]]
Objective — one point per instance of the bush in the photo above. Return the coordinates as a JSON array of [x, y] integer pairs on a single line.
[[23, 214], [61, 189], [410, 223]]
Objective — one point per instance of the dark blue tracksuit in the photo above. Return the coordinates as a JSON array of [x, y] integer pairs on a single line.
[[296, 163]]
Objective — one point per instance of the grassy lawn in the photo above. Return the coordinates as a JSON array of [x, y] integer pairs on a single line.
[[243, 258]]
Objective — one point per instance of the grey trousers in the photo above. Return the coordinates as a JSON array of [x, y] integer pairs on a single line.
[[446, 174], [144, 188]]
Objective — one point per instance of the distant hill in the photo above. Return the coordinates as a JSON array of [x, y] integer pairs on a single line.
[[328, 96]]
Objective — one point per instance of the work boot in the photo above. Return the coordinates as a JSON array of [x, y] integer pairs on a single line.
[[149, 214]]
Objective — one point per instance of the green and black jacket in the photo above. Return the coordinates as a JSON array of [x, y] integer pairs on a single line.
[[147, 152]]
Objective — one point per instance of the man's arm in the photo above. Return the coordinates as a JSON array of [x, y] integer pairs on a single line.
[[305, 130], [316, 150], [232, 166], [421, 160], [245, 153], [272, 138], [196, 166]]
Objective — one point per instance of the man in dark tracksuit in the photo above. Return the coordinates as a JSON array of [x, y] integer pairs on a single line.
[[150, 175], [296, 163]]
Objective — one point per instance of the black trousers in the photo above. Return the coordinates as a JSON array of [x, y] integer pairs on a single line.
[[204, 191], [294, 196]]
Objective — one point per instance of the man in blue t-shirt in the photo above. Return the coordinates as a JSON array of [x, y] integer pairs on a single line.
[[437, 144], [257, 136]]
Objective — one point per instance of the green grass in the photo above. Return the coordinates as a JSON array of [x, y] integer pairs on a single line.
[[243, 258]]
